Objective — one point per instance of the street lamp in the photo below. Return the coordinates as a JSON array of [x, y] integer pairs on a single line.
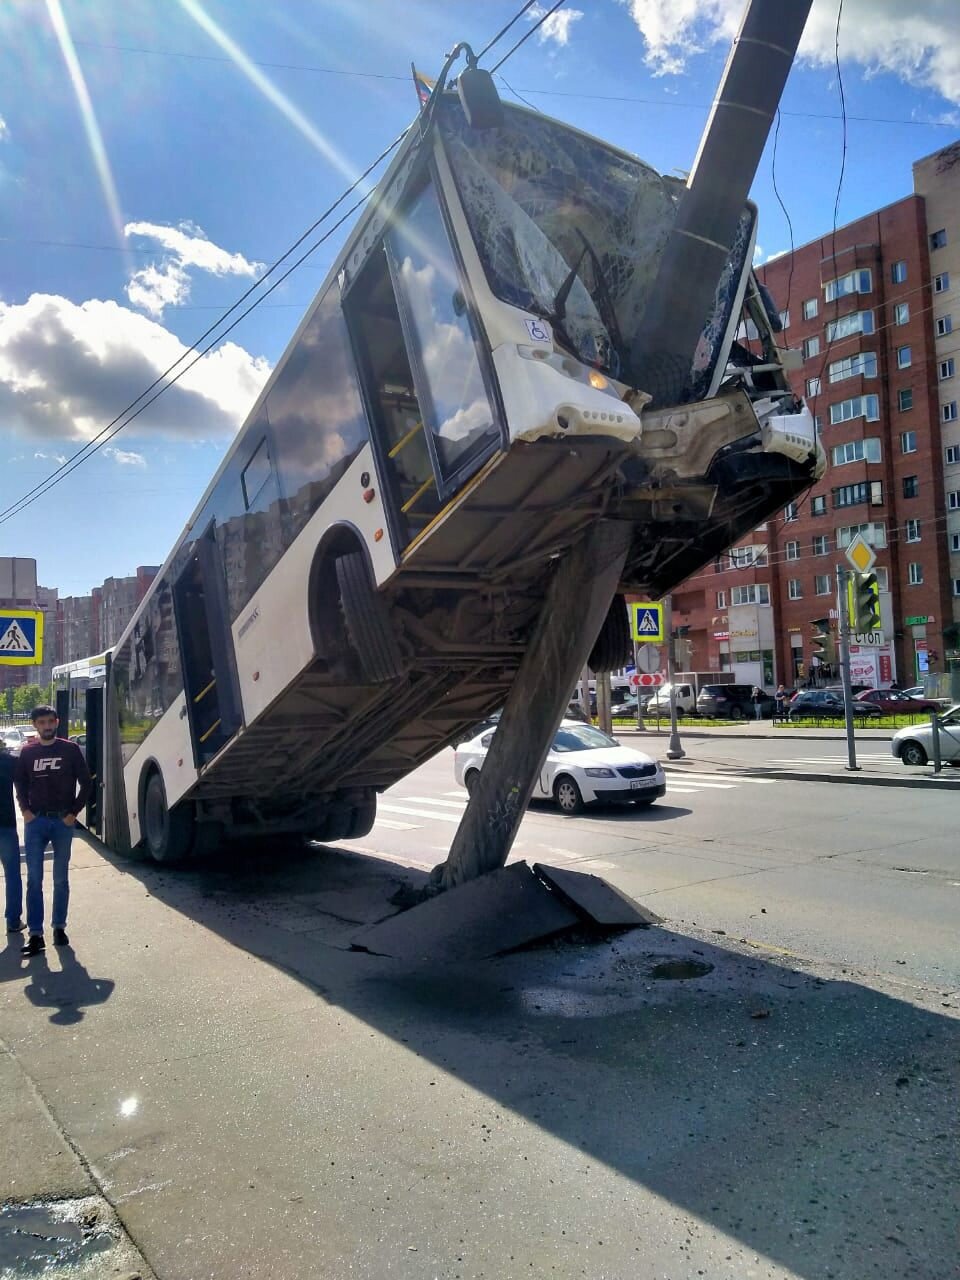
[[674, 750]]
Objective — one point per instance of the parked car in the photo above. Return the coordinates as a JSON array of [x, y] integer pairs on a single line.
[[686, 699], [824, 703], [12, 741], [918, 691], [733, 702], [893, 702], [583, 766], [914, 744]]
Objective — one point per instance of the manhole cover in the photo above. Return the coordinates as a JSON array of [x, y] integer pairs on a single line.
[[677, 970]]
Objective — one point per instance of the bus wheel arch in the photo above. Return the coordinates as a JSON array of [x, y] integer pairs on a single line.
[[362, 626], [167, 833]]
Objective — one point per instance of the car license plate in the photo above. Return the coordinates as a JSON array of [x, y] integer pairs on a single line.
[[635, 784]]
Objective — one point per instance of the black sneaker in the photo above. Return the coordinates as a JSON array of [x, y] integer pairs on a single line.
[[14, 926], [34, 945], [60, 938]]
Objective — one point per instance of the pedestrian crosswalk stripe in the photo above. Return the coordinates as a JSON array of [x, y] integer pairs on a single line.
[[729, 779], [446, 804], [700, 782], [396, 826], [420, 813]]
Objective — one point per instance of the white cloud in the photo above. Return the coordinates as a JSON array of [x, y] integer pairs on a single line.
[[184, 247], [557, 26], [67, 369], [917, 40], [4, 131], [58, 458], [125, 457]]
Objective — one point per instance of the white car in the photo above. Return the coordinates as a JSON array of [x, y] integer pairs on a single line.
[[914, 744], [583, 766]]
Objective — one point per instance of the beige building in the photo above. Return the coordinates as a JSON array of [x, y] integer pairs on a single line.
[[937, 179]]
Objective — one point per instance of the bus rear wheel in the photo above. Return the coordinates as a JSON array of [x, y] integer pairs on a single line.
[[168, 833], [613, 647]]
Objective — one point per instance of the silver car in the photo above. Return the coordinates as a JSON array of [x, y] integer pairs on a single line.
[[914, 744]]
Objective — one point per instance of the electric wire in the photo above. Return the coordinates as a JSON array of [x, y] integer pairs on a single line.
[[526, 36], [503, 30]]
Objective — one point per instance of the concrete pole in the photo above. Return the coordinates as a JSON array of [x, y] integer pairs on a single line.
[[604, 702], [577, 601], [674, 750], [716, 192], [843, 631]]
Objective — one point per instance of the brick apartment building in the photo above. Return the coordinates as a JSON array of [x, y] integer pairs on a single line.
[[868, 310]]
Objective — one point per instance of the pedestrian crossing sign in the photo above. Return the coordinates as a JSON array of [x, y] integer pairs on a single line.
[[647, 622], [21, 637]]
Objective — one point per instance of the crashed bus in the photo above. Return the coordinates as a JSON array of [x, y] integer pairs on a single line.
[[462, 400]]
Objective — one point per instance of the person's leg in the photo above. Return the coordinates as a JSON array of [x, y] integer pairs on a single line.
[[35, 835], [61, 837], [10, 859]]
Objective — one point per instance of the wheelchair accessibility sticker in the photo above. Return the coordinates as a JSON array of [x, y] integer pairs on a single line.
[[538, 330]]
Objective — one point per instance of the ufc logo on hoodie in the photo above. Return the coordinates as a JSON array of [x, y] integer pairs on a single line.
[[47, 764]]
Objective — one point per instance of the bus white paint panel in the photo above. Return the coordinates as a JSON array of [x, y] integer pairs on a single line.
[[168, 744], [271, 637], [535, 393]]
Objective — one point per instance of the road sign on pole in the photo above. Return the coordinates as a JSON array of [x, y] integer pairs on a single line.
[[646, 621], [21, 637], [648, 658], [860, 554]]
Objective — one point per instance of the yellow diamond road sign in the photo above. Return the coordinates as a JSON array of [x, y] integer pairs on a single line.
[[860, 554]]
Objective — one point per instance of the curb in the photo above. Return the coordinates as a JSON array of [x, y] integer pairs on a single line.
[[858, 779]]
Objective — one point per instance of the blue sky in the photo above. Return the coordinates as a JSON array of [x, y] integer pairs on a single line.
[[154, 154]]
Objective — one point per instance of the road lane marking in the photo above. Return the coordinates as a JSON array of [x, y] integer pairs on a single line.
[[729, 779], [446, 804], [395, 826], [419, 813]]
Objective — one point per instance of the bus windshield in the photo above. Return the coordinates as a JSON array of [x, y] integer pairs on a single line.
[[571, 229], [565, 226]]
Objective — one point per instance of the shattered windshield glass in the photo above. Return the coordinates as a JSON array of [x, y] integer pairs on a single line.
[[565, 227], [573, 230]]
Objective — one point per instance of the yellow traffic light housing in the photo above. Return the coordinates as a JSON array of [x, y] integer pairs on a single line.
[[824, 643], [864, 602]]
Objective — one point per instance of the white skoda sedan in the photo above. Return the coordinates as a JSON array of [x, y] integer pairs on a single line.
[[583, 766]]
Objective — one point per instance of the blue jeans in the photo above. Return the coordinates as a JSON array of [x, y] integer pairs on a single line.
[[36, 835], [10, 860]]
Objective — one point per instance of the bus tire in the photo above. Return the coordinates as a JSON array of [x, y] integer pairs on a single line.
[[362, 817], [613, 647], [167, 833], [367, 621]]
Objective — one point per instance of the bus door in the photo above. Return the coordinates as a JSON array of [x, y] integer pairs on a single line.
[[203, 629], [93, 751], [420, 362]]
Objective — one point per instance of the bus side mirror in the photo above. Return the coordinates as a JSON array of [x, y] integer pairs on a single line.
[[479, 99]]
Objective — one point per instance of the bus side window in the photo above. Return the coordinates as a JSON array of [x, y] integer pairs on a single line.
[[256, 474]]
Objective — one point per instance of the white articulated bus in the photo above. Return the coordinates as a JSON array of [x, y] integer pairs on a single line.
[[359, 580]]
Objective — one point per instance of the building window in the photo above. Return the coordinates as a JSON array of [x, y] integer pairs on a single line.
[[755, 593], [883, 582], [865, 363], [813, 386], [952, 454], [853, 282], [941, 283], [938, 239], [818, 505], [904, 358], [810, 308], [911, 487], [793, 550], [856, 451], [947, 368], [785, 319], [821, 584], [914, 573], [948, 412], [789, 512], [901, 313], [818, 424], [846, 326], [908, 442], [913, 531], [721, 599], [794, 589], [953, 500], [811, 347], [955, 542], [956, 586], [875, 534], [898, 272], [856, 407], [821, 545], [905, 399], [849, 495]]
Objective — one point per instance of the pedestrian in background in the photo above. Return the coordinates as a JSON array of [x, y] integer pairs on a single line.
[[10, 842], [781, 697], [757, 696], [53, 783]]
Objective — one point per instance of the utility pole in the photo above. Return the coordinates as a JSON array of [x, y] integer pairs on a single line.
[[674, 750], [641, 727], [604, 702], [843, 629]]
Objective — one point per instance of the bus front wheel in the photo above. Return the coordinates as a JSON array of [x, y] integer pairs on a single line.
[[168, 833]]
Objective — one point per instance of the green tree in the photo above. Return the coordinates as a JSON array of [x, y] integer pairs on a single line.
[[26, 697]]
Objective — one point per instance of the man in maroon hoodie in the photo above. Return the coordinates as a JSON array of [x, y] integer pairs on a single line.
[[53, 783]]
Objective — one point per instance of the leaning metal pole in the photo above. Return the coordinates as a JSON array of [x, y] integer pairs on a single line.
[[577, 601], [715, 195], [674, 750], [843, 632]]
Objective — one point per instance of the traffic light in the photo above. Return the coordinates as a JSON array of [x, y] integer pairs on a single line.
[[864, 602], [824, 645]]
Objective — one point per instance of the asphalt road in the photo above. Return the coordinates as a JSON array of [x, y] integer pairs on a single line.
[[253, 1098]]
